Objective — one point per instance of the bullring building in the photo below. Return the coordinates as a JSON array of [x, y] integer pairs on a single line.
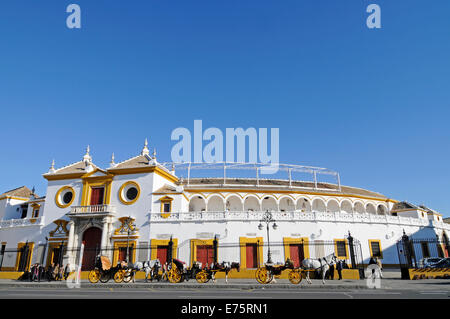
[[134, 208]]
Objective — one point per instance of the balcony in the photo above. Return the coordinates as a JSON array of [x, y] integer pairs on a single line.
[[92, 210], [23, 222]]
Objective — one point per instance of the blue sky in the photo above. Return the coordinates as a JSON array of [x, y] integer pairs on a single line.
[[371, 104]]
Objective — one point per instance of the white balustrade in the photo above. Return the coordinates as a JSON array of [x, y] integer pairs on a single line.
[[294, 216], [23, 222], [92, 209]]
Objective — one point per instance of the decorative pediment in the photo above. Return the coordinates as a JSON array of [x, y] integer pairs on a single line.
[[166, 199], [127, 227], [61, 229]]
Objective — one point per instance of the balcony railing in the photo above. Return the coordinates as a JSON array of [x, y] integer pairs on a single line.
[[93, 209], [295, 216], [23, 222]]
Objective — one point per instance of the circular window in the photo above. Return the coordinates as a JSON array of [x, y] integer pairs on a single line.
[[67, 198], [129, 193], [64, 197], [132, 193]]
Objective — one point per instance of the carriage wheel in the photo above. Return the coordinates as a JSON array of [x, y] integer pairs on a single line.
[[128, 275], [263, 276], [94, 276], [295, 277], [174, 275], [105, 276], [118, 276], [201, 277]]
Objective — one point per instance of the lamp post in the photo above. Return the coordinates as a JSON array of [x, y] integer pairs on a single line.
[[268, 219]]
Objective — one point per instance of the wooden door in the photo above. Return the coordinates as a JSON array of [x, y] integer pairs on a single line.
[[162, 253], [251, 255], [205, 254], [92, 239], [296, 253], [97, 195]]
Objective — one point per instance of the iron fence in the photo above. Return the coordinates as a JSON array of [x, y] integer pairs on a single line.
[[251, 254], [422, 253]]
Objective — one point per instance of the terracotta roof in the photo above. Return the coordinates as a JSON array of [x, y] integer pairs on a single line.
[[137, 161], [23, 192], [246, 182], [74, 168], [166, 189]]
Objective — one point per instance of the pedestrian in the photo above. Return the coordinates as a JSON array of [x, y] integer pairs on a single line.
[[380, 266], [35, 272], [66, 272], [50, 270], [331, 273], [372, 262], [339, 266]]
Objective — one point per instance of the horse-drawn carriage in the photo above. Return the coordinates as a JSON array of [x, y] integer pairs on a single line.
[[103, 271], [178, 272], [265, 275], [210, 273]]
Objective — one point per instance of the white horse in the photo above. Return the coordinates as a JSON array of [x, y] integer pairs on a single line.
[[321, 264], [149, 267]]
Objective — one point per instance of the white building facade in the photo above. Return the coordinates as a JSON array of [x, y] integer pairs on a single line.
[[137, 206]]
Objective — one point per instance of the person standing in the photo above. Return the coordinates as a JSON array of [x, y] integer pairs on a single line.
[[380, 266], [331, 272], [339, 267]]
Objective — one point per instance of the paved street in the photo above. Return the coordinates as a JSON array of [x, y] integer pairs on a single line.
[[391, 288], [217, 293]]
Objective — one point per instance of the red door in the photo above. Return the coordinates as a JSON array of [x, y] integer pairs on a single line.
[[92, 238], [161, 254], [297, 256], [251, 255], [205, 254], [97, 195]]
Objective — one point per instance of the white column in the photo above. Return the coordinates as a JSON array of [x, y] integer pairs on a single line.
[[104, 234], [70, 243]]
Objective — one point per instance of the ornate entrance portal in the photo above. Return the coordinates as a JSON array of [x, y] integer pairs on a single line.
[[92, 238]]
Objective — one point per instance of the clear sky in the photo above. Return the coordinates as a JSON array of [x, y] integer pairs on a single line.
[[370, 104]]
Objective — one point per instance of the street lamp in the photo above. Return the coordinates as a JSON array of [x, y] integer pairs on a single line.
[[268, 218]]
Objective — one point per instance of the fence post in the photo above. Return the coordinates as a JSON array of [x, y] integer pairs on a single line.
[[169, 257], [215, 249], [352, 251]]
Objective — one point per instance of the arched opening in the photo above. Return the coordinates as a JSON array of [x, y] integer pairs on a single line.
[[287, 204], [251, 204], [346, 206], [381, 210], [370, 208], [319, 205], [269, 203], [333, 206], [216, 204], [92, 238], [234, 204], [303, 205], [197, 204], [359, 208]]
